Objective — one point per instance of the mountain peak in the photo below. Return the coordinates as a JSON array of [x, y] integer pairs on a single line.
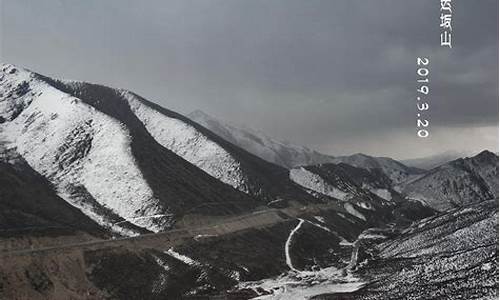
[[486, 154]]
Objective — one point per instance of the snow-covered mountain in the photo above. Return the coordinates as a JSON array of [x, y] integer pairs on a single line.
[[344, 182], [393, 169], [278, 152], [216, 156], [100, 157], [457, 183], [129, 164]]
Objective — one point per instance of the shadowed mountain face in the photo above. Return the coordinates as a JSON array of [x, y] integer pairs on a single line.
[[28, 204], [457, 183]]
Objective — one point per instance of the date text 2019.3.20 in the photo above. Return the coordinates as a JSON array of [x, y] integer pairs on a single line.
[[422, 96]]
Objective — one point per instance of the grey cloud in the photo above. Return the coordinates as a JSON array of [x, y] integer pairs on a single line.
[[321, 73]]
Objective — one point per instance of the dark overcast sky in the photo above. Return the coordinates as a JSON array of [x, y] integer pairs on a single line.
[[335, 75]]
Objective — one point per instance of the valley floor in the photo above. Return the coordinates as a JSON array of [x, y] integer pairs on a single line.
[[267, 255]]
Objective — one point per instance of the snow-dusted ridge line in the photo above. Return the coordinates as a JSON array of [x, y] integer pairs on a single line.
[[189, 143], [79, 152], [187, 260], [395, 170], [351, 210], [457, 183]]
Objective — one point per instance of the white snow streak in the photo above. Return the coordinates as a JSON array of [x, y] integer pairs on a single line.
[[287, 246], [183, 258], [343, 241], [320, 219], [350, 209], [319, 226], [128, 219]]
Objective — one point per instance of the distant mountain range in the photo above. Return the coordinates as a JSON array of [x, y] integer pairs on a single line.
[[278, 152], [290, 156], [394, 170]]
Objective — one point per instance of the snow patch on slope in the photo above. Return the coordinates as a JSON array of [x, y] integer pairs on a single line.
[[187, 260], [382, 193], [304, 285], [350, 209], [314, 182]]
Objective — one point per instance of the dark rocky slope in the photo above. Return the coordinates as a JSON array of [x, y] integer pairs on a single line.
[[450, 256]]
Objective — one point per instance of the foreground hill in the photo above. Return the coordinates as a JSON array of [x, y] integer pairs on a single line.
[[450, 255]]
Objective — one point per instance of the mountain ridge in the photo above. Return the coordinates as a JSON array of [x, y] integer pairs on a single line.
[[458, 182], [279, 152], [85, 140]]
